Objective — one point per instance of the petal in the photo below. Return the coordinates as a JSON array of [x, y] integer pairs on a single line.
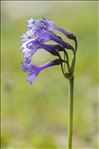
[[25, 66], [28, 49], [30, 78], [51, 24], [31, 22], [28, 67]]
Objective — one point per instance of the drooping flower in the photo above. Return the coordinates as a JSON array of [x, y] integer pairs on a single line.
[[48, 25], [40, 24], [40, 31], [34, 70], [32, 45], [35, 27], [28, 49]]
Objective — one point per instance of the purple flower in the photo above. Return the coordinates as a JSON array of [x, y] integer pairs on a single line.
[[40, 24], [48, 25], [34, 70], [32, 45], [66, 33], [53, 49], [39, 32], [25, 37], [28, 49]]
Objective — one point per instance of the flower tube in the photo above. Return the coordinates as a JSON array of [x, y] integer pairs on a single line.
[[34, 70]]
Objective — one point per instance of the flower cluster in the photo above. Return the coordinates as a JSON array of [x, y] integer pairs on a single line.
[[39, 32]]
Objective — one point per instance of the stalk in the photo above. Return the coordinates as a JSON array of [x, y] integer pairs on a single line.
[[70, 126]]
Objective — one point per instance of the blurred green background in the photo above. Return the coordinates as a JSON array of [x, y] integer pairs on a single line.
[[36, 116]]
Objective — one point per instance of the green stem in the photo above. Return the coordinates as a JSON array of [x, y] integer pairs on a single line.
[[70, 126]]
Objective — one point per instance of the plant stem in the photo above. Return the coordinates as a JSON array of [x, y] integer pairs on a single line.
[[70, 126]]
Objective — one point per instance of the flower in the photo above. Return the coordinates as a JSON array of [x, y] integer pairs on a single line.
[[32, 45], [40, 24], [39, 32], [41, 29], [34, 70], [43, 25], [28, 49], [66, 33], [48, 25]]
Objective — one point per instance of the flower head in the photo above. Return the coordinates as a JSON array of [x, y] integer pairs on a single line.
[[39, 32], [36, 32]]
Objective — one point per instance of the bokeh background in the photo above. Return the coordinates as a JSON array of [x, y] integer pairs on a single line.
[[36, 116]]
